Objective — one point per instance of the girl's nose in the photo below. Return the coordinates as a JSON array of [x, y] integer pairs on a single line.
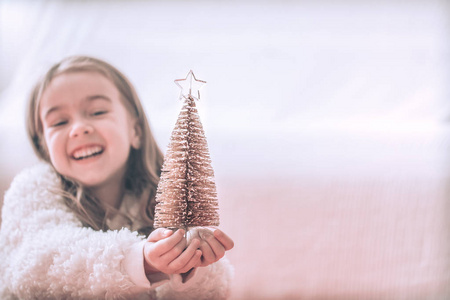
[[80, 128]]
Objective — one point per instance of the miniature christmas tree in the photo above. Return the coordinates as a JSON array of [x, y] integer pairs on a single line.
[[186, 194]]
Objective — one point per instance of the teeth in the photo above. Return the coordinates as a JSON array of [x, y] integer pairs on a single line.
[[87, 152]]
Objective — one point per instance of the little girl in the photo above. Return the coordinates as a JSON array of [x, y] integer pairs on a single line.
[[79, 224]]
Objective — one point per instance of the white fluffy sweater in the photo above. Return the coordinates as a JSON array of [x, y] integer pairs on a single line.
[[46, 253]]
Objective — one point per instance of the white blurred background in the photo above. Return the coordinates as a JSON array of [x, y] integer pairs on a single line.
[[327, 123]]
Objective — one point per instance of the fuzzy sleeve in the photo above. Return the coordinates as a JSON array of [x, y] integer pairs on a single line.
[[47, 254]]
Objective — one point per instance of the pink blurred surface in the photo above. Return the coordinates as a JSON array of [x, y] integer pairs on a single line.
[[380, 233]]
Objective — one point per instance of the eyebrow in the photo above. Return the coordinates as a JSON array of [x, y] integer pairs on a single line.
[[98, 97], [52, 109]]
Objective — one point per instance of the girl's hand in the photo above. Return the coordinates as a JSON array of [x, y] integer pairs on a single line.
[[213, 244], [165, 251]]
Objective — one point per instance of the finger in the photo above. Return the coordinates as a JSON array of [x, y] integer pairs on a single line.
[[194, 262], [216, 246], [166, 245], [208, 256], [224, 239], [180, 262], [159, 234], [173, 253], [199, 262]]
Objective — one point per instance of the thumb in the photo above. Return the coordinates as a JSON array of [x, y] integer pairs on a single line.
[[159, 234]]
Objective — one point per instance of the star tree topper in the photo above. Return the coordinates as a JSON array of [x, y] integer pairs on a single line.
[[190, 86]]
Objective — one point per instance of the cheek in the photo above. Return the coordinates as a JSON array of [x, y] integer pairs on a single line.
[[120, 136], [55, 147]]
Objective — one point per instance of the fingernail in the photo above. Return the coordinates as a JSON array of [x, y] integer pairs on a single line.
[[167, 232]]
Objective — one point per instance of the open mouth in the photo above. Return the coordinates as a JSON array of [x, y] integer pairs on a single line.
[[87, 152]]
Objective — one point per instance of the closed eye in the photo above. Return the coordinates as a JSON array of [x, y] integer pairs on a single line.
[[60, 123], [99, 113]]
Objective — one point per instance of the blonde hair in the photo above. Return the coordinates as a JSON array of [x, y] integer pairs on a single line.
[[144, 164]]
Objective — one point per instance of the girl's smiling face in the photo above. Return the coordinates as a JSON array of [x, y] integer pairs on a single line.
[[87, 129]]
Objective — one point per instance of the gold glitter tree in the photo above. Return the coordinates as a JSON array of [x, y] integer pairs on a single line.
[[186, 194]]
